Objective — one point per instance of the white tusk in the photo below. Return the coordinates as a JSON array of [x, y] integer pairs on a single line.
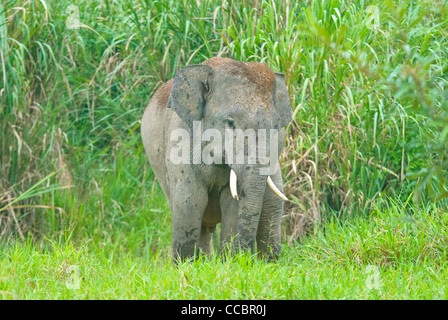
[[233, 189], [275, 189]]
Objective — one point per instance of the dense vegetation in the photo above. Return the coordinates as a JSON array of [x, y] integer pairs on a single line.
[[366, 154]]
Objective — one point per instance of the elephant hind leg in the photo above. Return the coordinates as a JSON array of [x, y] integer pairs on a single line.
[[229, 224], [212, 216], [204, 240]]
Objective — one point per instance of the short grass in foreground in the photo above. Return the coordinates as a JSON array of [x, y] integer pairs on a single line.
[[398, 253]]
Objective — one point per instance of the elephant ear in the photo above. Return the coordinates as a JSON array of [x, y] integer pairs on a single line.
[[187, 93], [281, 100]]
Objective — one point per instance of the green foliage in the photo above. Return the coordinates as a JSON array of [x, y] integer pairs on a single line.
[[368, 95], [400, 253], [369, 101], [370, 123]]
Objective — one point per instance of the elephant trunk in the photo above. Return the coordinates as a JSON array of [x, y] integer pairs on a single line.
[[251, 187], [248, 185]]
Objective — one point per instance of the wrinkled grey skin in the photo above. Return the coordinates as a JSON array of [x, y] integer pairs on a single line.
[[222, 93]]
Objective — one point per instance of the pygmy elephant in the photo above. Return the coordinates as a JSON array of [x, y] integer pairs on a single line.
[[210, 134]]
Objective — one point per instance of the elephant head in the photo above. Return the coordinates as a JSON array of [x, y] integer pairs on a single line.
[[226, 96]]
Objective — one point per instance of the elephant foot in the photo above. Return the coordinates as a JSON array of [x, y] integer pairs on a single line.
[[272, 254]]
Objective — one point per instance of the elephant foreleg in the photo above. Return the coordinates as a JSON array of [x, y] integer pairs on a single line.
[[269, 227], [188, 203]]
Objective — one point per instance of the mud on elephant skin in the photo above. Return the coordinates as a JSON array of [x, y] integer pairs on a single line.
[[224, 96]]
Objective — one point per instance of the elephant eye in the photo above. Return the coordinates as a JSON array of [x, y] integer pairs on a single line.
[[231, 123]]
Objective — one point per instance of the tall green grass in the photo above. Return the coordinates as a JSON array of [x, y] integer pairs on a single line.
[[392, 255], [365, 98], [370, 107]]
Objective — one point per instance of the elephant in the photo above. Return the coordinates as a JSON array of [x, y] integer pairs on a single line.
[[223, 95]]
